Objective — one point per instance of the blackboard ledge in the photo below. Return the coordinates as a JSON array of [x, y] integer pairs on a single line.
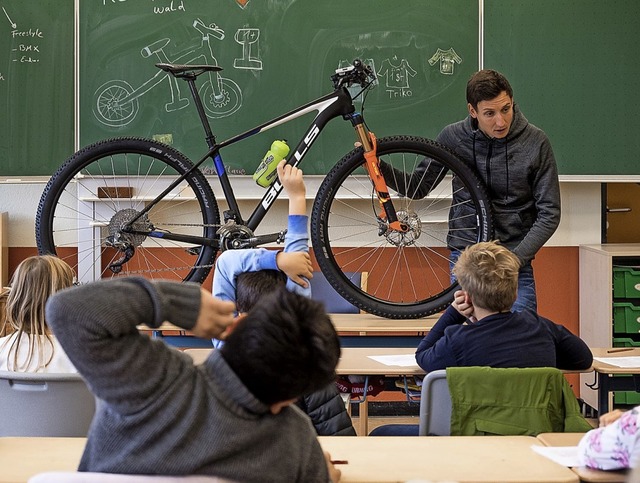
[[599, 178]]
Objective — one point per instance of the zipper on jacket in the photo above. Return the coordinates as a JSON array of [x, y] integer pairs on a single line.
[[488, 165]]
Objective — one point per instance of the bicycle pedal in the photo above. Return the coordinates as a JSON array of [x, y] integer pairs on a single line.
[[194, 250]]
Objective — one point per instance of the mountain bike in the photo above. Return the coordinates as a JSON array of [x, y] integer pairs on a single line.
[[130, 206]]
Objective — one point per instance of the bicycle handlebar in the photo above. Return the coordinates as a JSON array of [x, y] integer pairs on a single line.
[[356, 73]]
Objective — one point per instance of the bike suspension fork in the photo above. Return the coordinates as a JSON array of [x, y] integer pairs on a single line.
[[372, 165]]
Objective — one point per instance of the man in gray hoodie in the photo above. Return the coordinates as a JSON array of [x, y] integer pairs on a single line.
[[515, 160]]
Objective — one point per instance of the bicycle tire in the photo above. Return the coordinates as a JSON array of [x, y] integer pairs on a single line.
[[103, 186], [408, 275]]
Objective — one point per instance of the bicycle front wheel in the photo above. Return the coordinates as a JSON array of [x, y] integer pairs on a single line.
[[88, 202], [406, 274]]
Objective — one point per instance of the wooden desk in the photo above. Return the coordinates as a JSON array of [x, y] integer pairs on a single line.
[[347, 325], [605, 373], [507, 459], [367, 324], [444, 458], [354, 361], [585, 474], [22, 458]]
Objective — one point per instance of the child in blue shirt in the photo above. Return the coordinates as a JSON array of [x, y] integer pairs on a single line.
[[242, 276]]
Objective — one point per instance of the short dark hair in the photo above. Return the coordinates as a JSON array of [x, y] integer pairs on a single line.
[[250, 286], [485, 85], [285, 347]]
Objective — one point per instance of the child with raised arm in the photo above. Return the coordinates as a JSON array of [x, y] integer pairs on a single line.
[[230, 417], [243, 276]]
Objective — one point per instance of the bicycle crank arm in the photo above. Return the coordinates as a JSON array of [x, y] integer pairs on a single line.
[[256, 241]]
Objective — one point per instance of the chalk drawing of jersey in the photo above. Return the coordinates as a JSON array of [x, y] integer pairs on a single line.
[[397, 76], [448, 59]]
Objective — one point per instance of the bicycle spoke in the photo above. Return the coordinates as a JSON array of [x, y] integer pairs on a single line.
[[91, 201], [408, 270]]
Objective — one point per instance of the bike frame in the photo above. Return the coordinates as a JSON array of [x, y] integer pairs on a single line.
[[330, 106]]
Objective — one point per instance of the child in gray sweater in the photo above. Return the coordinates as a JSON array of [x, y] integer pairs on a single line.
[[231, 417]]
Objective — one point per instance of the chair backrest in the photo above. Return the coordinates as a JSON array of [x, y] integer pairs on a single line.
[[334, 303], [465, 401], [435, 405], [42, 404]]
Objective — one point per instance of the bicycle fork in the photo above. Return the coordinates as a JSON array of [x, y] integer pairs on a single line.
[[372, 165]]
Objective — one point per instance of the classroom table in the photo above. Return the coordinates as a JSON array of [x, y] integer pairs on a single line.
[[22, 458], [480, 459], [355, 361], [353, 329], [444, 458], [606, 373], [585, 474]]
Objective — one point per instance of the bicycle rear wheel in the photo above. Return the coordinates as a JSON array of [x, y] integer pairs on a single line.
[[407, 274], [103, 187]]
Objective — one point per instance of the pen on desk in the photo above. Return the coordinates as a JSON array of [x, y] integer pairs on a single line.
[[339, 462], [619, 350]]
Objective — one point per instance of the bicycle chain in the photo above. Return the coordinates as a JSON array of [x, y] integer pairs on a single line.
[[190, 224], [156, 270]]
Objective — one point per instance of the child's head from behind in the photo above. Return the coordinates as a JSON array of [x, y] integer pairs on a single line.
[[33, 282], [250, 286], [285, 347], [488, 272]]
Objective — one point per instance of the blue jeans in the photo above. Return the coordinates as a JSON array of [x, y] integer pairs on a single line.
[[526, 286]]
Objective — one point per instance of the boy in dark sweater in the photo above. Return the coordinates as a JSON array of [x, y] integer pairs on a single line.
[[233, 416], [493, 335]]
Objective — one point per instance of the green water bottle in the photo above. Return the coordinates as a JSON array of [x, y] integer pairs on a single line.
[[266, 172]]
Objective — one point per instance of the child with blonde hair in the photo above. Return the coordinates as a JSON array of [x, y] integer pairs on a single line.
[[28, 345], [480, 329]]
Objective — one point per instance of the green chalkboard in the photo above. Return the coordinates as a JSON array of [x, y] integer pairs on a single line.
[[36, 85], [574, 68], [276, 55]]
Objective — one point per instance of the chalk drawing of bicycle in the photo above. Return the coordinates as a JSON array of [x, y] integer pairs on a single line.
[[116, 101]]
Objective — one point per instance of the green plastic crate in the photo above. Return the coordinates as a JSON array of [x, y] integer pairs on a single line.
[[626, 397], [626, 282], [626, 318]]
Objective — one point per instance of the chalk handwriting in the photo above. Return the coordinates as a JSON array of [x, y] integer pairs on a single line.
[[172, 7], [27, 33]]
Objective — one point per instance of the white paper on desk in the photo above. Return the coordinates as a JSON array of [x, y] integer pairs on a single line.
[[563, 455], [620, 361], [404, 360]]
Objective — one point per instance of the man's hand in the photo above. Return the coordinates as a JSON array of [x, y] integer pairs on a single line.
[[295, 265], [293, 184], [214, 317], [462, 303]]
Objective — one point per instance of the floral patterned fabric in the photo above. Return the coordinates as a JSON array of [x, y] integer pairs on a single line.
[[613, 447]]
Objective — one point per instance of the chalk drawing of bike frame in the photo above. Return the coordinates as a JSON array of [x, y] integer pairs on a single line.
[[116, 101]]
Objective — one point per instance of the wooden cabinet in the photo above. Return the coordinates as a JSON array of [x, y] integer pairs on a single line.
[[596, 279]]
